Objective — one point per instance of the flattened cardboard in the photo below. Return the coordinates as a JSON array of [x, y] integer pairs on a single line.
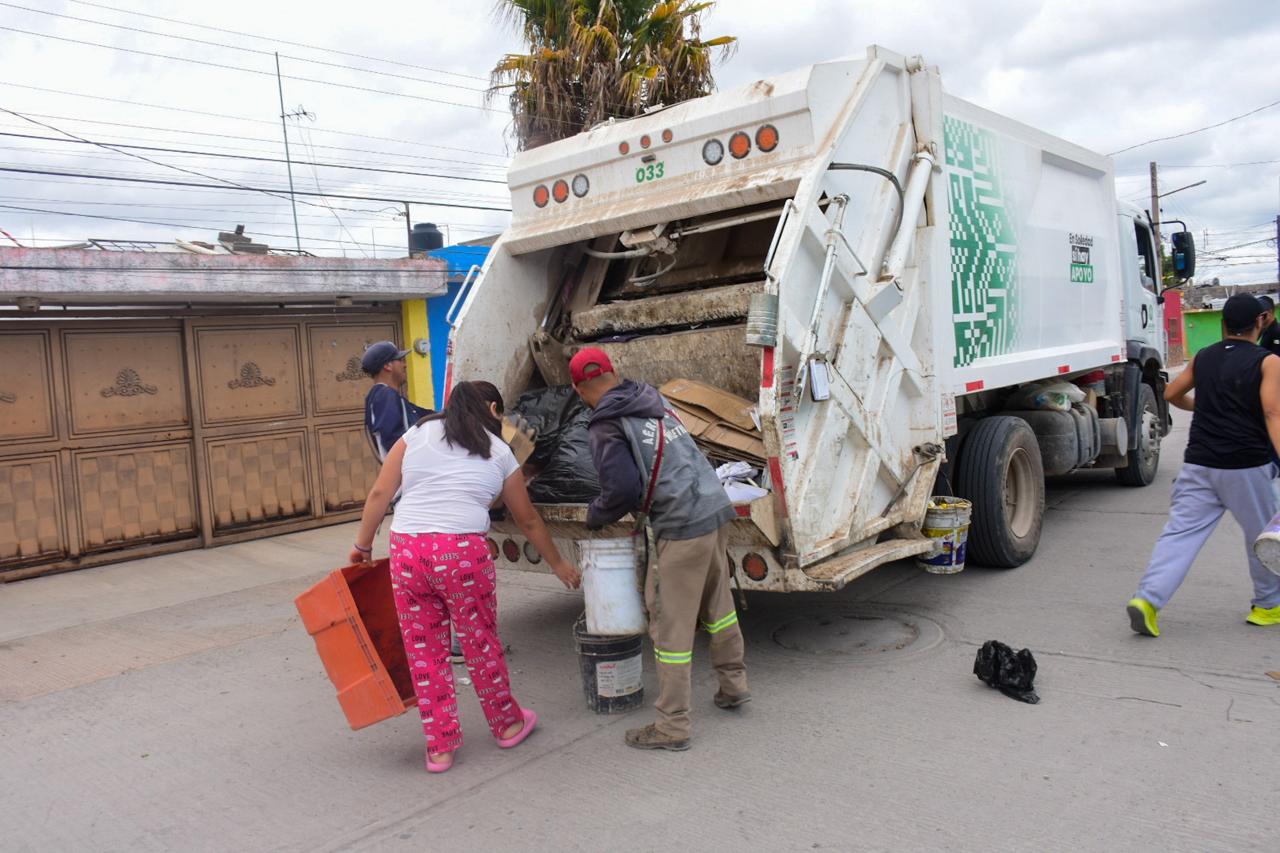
[[718, 405]]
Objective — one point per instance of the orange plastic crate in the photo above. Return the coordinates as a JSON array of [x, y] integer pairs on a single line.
[[351, 615]]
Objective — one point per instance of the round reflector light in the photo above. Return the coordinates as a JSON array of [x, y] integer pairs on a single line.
[[624, 148], [580, 185], [531, 553], [667, 136], [739, 145], [712, 151], [541, 195], [754, 567], [511, 551], [767, 137], [493, 548], [644, 141], [560, 190]]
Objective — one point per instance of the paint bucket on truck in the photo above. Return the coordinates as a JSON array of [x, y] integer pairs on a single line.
[[612, 670], [946, 521]]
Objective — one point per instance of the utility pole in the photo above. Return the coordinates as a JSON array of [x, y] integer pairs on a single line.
[[1155, 219], [297, 235]]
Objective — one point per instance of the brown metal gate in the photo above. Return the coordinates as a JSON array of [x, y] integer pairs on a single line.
[[123, 439]]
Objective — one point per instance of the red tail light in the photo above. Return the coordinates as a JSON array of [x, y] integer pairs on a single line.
[[754, 567], [511, 551], [739, 145], [560, 191], [767, 137], [493, 548], [541, 196]]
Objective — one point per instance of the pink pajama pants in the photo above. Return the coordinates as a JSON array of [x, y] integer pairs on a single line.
[[436, 577]]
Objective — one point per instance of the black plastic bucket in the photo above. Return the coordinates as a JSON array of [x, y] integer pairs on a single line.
[[612, 670]]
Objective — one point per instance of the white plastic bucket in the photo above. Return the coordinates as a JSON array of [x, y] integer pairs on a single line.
[[611, 587], [946, 521]]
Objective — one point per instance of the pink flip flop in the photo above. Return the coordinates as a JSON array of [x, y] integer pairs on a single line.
[[433, 767], [530, 720]]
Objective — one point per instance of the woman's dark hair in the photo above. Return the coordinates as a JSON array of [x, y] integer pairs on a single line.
[[468, 423]]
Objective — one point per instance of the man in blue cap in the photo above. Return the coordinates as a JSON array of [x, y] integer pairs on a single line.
[[387, 414]]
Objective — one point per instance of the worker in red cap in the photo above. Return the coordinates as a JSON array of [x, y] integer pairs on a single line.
[[649, 466]]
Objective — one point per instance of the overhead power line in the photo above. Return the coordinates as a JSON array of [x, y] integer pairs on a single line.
[[1197, 130], [274, 39], [190, 111], [257, 159], [272, 192], [182, 169], [225, 46]]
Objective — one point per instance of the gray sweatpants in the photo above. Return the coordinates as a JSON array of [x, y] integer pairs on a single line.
[[1200, 496]]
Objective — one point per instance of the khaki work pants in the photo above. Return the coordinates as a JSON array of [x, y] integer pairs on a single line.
[[690, 584]]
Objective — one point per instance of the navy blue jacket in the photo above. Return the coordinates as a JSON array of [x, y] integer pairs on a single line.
[[387, 416]]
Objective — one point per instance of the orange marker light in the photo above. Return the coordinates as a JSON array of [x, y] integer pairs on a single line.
[[560, 191], [541, 196], [667, 136], [767, 137], [739, 145], [624, 148], [644, 141]]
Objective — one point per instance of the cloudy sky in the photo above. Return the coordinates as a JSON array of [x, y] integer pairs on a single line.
[[398, 87]]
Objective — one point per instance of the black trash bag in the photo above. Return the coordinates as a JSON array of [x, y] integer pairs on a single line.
[[547, 411], [1010, 672], [570, 474]]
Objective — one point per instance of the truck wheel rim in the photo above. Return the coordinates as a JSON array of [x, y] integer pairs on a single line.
[[1150, 443], [1019, 494]]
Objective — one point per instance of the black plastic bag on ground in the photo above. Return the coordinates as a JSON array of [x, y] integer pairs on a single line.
[[547, 411], [570, 474], [1012, 673]]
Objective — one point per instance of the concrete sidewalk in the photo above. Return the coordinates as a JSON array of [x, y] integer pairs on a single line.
[[176, 703]]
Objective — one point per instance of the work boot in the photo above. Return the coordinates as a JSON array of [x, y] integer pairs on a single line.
[[1264, 616], [651, 738], [1142, 617], [725, 701]]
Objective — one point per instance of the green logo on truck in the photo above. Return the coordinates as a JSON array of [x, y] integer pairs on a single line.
[[984, 252]]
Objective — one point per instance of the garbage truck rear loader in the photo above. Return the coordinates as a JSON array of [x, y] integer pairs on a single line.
[[883, 268]]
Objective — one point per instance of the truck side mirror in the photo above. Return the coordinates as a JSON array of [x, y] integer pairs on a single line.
[[1184, 254]]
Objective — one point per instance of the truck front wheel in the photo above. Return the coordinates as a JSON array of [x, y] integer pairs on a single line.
[[1145, 458], [1000, 472]]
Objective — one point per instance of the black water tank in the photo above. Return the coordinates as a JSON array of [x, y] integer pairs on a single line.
[[425, 237]]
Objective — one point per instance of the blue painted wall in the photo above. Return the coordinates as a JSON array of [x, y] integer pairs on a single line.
[[460, 260]]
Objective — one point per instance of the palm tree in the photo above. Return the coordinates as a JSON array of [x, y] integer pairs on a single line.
[[591, 60]]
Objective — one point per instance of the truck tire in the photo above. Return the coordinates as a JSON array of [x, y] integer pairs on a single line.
[[1144, 461], [1000, 472]]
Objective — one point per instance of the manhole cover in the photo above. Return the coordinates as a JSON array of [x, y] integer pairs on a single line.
[[844, 635]]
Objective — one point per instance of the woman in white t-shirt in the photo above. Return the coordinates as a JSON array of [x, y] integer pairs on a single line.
[[449, 472]]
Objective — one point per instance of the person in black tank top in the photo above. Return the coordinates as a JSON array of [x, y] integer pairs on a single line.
[[1228, 466]]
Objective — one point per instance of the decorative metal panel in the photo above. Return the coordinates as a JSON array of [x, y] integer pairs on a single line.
[[26, 388], [31, 518], [347, 467], [135, 494], [258, 479], [249, 373], [125, 380], [338, 384]]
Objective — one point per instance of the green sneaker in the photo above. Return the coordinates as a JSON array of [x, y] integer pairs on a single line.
[[1142, 617], [1264, 616]]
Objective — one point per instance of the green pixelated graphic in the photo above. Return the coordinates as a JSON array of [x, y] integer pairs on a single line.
[[984, 254]]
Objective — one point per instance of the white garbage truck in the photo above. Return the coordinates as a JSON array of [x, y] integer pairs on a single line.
[[887, 271]]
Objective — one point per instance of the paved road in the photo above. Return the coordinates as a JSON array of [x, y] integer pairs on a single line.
[[176, 704]]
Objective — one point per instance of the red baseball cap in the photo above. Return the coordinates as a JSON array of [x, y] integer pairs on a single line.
[[588, 364]]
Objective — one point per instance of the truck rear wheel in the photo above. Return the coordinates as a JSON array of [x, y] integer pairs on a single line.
[[1000, 472], [1144, 460]]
